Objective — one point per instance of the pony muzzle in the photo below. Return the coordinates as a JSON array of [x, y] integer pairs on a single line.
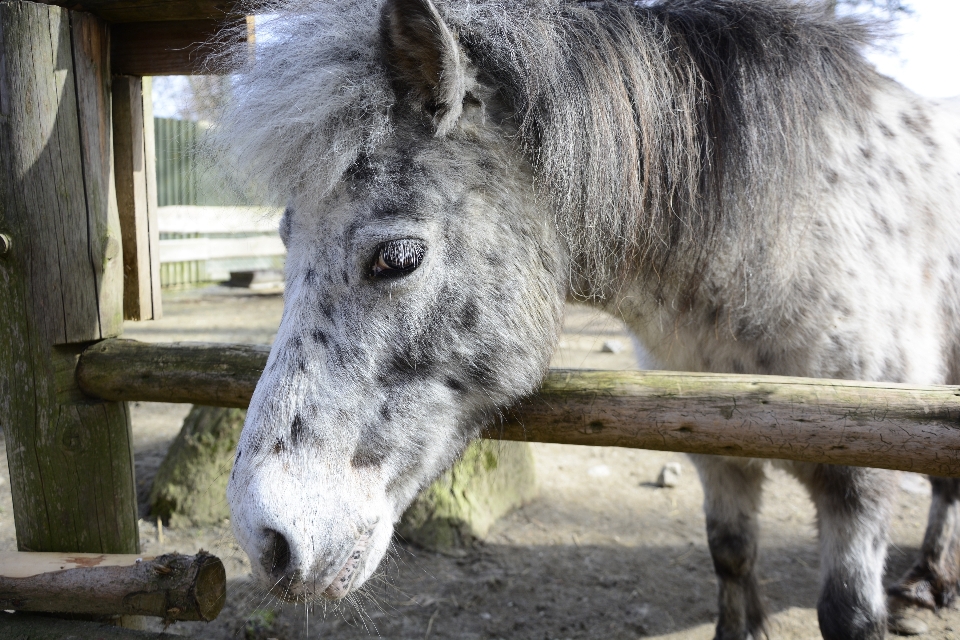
[[294, 582], [353, 567]]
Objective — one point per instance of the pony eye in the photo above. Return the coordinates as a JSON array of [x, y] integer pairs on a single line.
[[398, 258]]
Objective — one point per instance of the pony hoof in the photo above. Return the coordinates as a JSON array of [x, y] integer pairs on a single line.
[[904, 625], [922, 588]]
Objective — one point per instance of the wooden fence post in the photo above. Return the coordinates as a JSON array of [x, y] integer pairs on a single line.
[[61, 283], [133, 145]]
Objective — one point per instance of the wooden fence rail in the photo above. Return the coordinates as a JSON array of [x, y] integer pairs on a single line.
[[829, 421]]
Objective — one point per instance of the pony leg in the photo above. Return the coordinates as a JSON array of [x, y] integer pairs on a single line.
[[732, 489], [932, 582], [853, 507]]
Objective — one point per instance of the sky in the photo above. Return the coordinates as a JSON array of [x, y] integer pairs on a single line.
[[925, 56]]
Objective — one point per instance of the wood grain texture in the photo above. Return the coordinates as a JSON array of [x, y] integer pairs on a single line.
[[829, 421], [133, 152], [70, 458], [197, 373], [177, 47], [151, 10], [91, 43], [33, 626], [171, 586]]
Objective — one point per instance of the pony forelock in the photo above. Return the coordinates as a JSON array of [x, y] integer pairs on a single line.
[[650, 126]]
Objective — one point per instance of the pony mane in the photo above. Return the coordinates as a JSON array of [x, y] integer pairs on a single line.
[[651, 126]]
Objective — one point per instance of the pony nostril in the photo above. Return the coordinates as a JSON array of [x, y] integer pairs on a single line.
[[277, 558]]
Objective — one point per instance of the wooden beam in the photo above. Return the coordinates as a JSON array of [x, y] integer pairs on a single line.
[[868, 424], [135, 171], [33, 626], [176, 47], [70, 458], [217, 375], [172, 586], [123, 11]]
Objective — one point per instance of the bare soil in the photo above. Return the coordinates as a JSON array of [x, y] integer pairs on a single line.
[[601, 554]]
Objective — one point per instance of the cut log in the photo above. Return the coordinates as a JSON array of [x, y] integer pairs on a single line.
[[870, 424], [171, 586]]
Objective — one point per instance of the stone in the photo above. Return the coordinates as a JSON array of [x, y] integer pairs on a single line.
[[670, 475], [191, 484], [612, 346]]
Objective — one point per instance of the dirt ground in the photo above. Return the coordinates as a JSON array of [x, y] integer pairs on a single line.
[[601, 554]]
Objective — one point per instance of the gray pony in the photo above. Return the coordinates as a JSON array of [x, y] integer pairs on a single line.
[[729, 177]]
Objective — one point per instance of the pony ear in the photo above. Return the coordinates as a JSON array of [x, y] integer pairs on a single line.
[[427, 59]]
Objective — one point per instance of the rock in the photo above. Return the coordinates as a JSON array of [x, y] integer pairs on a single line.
[[490, 480], [670, 475], [191, 485], [612, 346]]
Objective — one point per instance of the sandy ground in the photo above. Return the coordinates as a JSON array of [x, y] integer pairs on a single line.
[[601, 554]]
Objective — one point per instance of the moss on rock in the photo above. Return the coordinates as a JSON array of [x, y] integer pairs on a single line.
[[191, 485], [491, 479]]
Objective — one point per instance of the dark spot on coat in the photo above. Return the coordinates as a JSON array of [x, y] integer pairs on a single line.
[[385, 412], [372, 447], [410, 363], [480, 371], [765, 360], [832, 176], [310, 277], [456, 385], [297, 434], [278, 446], [469, 315], [885, 130], [318, 336]]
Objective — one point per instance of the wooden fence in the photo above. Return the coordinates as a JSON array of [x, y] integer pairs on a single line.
[[832, 421], [206, 229], [203, 244]]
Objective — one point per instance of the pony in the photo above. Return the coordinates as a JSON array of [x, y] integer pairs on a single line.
[[730, 177]]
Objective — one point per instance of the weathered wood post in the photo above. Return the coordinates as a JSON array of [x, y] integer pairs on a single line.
[[61, 283]]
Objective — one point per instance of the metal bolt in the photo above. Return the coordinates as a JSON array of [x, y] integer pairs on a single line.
[[5, 244]]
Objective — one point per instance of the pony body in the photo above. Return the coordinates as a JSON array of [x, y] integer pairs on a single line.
[[730, 178]]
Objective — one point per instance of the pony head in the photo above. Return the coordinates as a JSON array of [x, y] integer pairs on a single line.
[[425, 284]]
